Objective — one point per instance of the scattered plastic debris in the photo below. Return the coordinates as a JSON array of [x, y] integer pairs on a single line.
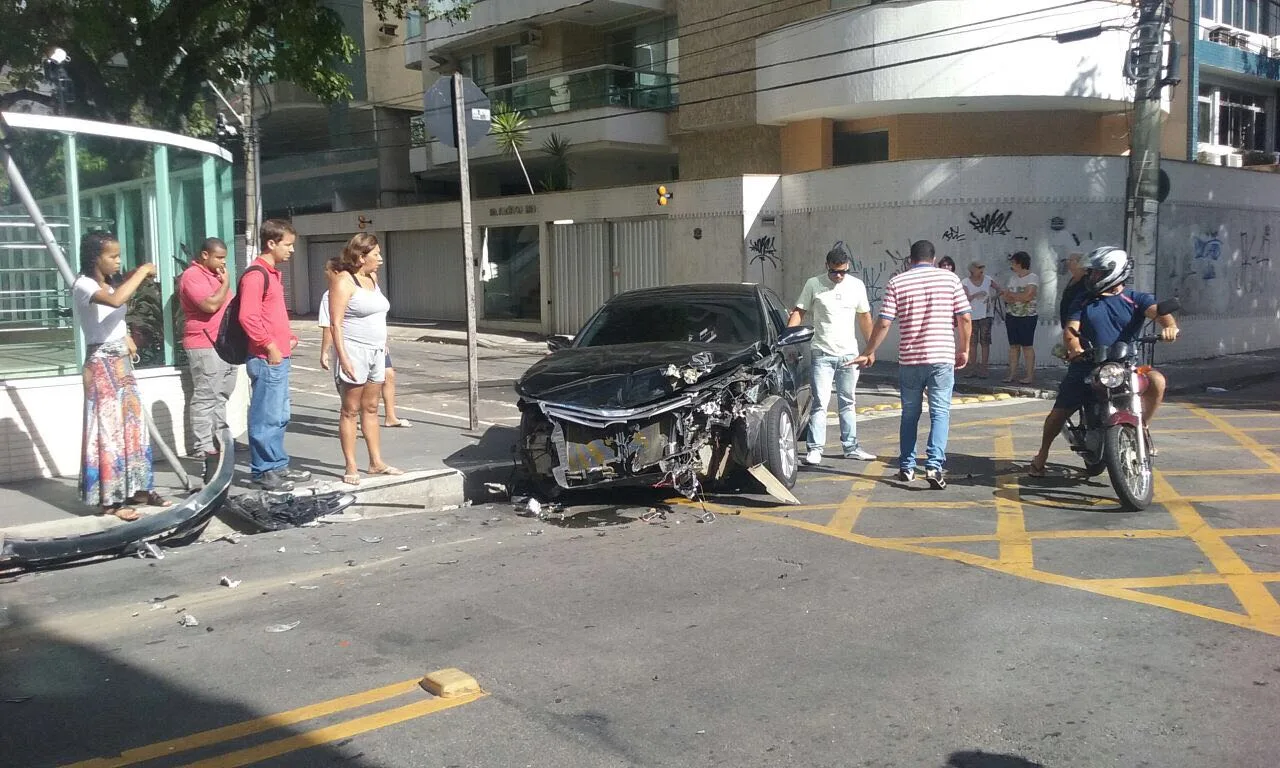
[[496, 489], [188, 620], [231, 538], [19, 700], [532, 508], [158, 606], [283, 627], [402, 549], [446, 562], [147, 549], [307, 586], [281, 550], [164, 599], [227, 581], [371, 539], [534, 533]]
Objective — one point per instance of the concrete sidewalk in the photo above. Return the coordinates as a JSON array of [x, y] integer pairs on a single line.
[[441, 332]]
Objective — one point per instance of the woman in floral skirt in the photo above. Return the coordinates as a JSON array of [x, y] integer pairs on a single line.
[[115, 462]]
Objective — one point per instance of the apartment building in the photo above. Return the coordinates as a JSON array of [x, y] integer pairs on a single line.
[[1235, 74], [601, 74]]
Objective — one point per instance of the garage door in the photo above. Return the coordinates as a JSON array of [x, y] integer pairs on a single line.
[[425, 274], [317, 254], [593, 261]]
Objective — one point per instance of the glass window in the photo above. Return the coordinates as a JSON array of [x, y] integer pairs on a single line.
[[513, 274], [709, 320], [1208, 9], [1242, 120], [855, 148]]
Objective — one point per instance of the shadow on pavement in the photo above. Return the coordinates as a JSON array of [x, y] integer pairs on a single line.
[[980, 759], [63, 702]]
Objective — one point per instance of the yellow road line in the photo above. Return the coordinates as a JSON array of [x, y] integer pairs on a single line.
[[332, 733], [846, 515], [1253, 595], [250, 727], [1212, 430], [1043, 577], [1011, 523], [1181, 580], [1161, 498], [1240, 436], [1218, 472]]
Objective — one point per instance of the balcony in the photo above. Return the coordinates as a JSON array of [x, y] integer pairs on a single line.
[[881, 60], [493, 19], [593, 106]]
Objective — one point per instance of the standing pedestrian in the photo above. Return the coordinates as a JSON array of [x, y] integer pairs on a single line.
[[839, 305], [115, 458], [265, 319], [390, 419], [204, 292], [947, 263], [358, 322], [979, 289], [1021, 317], [931, 309], [1075, 286]]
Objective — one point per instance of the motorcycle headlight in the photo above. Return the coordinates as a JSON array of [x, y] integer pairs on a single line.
[[1110, 375]]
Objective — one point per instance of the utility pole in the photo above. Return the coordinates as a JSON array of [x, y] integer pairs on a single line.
[[252, 201], [1145, 68], [469, 268]]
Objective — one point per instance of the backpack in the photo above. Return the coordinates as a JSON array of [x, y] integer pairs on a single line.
[[232, 344]]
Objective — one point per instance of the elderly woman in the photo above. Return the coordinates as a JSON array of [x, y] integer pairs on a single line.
[[358, 322], [115, 465], [1021, 316]]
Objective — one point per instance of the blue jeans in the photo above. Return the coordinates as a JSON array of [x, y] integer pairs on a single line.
[[268, 415], [913, 380], [826, 369]]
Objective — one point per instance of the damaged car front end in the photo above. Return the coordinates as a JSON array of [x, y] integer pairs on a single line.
[[706, 380]]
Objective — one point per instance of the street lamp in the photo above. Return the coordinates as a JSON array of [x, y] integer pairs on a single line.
[[55, 72]]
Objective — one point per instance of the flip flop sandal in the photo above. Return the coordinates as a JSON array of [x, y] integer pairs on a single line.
[[151, 499], [352, 479], [387, 470], [1034, 471], [400, 423], [127, 514]]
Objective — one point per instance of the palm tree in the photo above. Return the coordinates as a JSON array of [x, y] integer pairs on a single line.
[[510, 130], [560, 176]]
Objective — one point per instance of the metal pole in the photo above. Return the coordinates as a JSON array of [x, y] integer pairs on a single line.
[[251, 202], [1142, 196], [469, 268]]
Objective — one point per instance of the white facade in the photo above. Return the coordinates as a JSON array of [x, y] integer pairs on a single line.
[[1216, 238], [943, 56]]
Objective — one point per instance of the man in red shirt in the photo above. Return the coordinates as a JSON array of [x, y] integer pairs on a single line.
[[265, 320], [931, 309], [204, 292]]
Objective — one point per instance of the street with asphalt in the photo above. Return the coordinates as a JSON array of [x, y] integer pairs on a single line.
[[1006, 622]]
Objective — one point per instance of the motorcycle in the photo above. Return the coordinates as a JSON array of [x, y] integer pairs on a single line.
[[1110, 433]]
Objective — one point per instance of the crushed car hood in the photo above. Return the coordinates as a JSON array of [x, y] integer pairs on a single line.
[[626, 375]]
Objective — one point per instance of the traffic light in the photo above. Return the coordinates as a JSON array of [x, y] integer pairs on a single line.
[[664, 195]]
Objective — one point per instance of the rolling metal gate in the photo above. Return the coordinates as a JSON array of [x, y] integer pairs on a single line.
[[596, 260]]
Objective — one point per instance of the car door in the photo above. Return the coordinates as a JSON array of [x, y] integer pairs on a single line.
[[797, 357]]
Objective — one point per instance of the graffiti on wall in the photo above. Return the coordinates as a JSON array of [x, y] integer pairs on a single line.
[[994, 223], [764, 251]]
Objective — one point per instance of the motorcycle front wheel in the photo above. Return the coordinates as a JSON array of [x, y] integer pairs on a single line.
[[1130, 476]]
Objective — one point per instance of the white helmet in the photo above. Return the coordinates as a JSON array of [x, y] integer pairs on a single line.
[[1108, 267]]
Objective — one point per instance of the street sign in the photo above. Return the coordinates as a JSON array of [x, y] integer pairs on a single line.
[[438, 116]]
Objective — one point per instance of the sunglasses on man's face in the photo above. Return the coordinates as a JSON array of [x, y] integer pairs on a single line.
[[837, 272]]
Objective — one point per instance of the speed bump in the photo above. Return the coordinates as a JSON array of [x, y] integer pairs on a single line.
[[450, 683]]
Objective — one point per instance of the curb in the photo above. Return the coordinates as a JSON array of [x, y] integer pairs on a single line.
[[961, 400], [528, 347]]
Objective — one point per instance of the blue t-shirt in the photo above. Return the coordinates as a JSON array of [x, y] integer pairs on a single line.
[[1104, 320]]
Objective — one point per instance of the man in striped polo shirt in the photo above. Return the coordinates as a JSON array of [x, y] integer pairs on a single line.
[[932, 310]]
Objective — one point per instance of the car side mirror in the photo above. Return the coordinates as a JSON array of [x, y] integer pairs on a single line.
[[796, 334], [558, 342]]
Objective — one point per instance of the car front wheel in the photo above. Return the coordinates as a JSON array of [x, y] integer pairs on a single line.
[[781, 456]]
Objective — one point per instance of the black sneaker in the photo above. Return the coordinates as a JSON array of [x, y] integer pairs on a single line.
[[935, 478], [295, 475], [274, 481], [906, 475]]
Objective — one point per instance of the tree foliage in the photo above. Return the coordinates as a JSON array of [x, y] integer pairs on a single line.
[[145, 61]]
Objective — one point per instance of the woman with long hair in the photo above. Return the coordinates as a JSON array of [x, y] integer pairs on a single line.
[[115, 465], [358, 322]]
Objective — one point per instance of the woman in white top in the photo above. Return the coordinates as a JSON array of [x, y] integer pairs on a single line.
[[980, 290], [358, 322], [115, 463]]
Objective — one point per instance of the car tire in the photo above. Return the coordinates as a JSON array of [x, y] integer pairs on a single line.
[[778, 446]]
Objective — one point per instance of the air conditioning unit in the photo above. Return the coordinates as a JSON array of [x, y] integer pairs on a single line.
[[1220, 35], [1235, 160], [531, 37], [388, 29]]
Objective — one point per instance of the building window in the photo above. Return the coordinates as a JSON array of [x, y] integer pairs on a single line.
[[1261, 16], [474, 67], [1232, 118], [856, 148]]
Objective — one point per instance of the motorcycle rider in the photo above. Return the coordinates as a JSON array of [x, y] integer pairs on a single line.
[[1103, 313]]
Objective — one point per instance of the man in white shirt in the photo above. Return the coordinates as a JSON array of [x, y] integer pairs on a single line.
[[979, 289], [839, 305]]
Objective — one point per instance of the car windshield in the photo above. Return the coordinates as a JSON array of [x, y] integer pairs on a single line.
[[708, 320]]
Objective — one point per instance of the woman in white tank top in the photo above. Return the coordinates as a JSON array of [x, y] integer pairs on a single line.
[[358, 320]]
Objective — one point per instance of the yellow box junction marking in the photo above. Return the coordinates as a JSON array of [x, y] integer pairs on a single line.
[[1016, 543]]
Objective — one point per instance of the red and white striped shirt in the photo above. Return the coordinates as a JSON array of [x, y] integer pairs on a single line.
[[925, 301]]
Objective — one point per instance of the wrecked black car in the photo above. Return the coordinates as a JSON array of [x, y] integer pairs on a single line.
[[676, 387]]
